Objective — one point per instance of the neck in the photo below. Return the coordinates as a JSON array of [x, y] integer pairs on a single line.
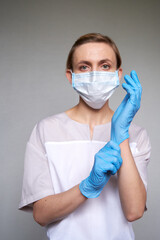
[[84, 114]]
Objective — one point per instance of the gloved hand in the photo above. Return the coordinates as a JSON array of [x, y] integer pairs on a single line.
[[106, 163], [125, 113]]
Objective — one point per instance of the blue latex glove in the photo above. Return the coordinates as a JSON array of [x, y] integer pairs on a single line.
[[106, 163], [125, 113]]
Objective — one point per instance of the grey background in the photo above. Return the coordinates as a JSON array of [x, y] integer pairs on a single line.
[[35, 37]]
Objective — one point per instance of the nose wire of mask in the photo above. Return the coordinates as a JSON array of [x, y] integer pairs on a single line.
[[95, 87]]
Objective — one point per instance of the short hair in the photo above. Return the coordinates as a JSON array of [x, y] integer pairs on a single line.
[[93, 37]]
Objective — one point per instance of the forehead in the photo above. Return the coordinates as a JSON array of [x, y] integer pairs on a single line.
[[94, 52]]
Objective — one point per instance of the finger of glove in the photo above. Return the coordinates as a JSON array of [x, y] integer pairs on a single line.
[[103, 161], [121, 107], [109, 156], [120, 160], [131, 81], [114, 146], [111, 148], [111, 169], [116, 159], [139, 87], [135, 95], [134, 75], [128, 88]]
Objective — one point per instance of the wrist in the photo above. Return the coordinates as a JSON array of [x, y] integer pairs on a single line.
[[124, 145], [119, 136]]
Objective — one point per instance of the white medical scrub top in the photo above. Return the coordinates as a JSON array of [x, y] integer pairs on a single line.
[[59, 155]]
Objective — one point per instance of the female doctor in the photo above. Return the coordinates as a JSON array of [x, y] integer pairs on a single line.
[[85, 172]]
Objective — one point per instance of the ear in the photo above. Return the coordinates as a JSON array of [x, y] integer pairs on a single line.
[[69, 75], [120, 71]]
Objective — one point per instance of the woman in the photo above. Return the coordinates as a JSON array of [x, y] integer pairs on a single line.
[[85, 169]]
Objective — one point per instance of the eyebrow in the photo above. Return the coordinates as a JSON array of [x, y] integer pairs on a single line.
[[105, 60], [88, 63], [84, 62]]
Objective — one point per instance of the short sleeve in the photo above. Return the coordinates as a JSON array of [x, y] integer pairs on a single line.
[[142, 154], [37, 182]]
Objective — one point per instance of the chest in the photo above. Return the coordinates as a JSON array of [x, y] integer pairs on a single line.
[[71, 161]]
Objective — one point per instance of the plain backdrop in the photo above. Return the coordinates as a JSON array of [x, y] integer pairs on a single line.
[[35, 38]]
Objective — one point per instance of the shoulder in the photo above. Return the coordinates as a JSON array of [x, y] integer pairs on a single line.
[[47, 128], [50, 122], [135, 131]]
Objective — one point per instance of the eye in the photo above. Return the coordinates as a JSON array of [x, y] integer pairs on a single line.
[[105, 66], [83, 68]]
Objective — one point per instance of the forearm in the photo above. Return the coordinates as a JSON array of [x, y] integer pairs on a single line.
[[131, 188], [55, 207]]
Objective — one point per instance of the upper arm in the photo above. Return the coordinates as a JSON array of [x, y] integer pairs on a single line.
[[142, 155]]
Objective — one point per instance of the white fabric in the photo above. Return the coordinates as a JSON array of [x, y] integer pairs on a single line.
[[59, 155]]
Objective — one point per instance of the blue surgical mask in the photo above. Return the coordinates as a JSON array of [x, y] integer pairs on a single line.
[[95, 87]]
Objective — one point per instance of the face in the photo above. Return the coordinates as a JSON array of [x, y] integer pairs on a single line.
[[94, 57]]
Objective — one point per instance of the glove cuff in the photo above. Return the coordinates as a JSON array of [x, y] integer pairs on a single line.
[[120, 139]]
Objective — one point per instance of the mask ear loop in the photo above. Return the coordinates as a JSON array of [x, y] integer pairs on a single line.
[[73, 78], [118, 82]]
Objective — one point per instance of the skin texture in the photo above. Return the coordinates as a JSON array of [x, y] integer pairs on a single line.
[[95, 57]]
